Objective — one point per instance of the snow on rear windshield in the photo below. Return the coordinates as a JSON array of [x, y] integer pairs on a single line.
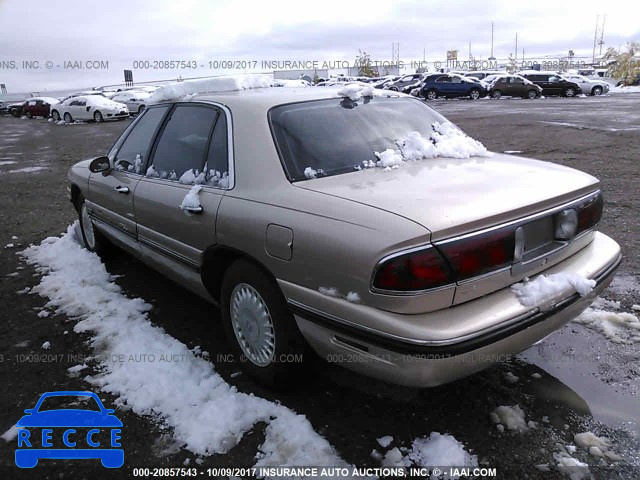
[[331, 137]]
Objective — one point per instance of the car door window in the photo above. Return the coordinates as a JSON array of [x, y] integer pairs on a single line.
[[443, 80], [180, 153], [217, 166], [554, 79], [456, 80], [132, 153]]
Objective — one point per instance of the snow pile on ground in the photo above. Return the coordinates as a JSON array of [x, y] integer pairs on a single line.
[[510, 417], [631, 89], [440, 449], [598, 447], [548, 287], [206, 414], [619, 327], [571, 467], [385, 441], [177, 90], [436, 449]]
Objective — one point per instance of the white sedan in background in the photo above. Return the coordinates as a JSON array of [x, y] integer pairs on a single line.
[[135, 100], [588, 86], [90, 107]]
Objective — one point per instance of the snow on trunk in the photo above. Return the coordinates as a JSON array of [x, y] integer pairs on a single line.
[[207, 415]]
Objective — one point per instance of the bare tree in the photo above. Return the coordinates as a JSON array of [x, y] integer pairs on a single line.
[[363, 62]]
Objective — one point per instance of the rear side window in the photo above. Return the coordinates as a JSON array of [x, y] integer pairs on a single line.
[[333, 136], [181, 150], [132, 154]]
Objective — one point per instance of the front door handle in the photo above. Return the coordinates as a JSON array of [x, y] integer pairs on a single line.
[[121, 189], [192, 209]]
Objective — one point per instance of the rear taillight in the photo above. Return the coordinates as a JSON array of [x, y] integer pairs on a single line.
[[480, 254], [413, 271], [590, 212]]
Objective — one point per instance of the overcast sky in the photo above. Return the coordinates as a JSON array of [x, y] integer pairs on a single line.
[[121, 32]]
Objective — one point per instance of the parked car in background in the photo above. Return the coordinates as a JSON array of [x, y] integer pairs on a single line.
[[480, 74], [552, 83], [588, 86], [383, 81], [92, 107], [425, 300], [14, 108], [38, 106], [451, 86], [512, 86], [405, 83], [135, 101]]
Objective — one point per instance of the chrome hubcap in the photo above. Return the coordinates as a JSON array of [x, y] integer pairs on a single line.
[[87, 228], [252, 325]]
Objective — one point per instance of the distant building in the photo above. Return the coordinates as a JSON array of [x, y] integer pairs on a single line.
[[307, 75]]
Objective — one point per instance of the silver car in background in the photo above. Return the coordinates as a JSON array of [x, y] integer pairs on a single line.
[[292, 210]]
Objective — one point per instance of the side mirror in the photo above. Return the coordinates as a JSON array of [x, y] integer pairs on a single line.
[[100, 165]]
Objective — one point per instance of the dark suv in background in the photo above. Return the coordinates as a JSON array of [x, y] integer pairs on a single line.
[[553, 84], [450, 86]]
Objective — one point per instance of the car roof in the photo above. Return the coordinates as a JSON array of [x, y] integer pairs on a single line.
[[266, 98]]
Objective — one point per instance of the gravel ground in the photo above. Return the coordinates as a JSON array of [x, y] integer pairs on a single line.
[[597, 135]]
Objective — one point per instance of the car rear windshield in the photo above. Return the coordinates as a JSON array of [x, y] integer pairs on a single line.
[[335, 136]]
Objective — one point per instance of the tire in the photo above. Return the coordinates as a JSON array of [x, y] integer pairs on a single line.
[[92, 238], [431, 94], [496, 94], [55, 115], [67, 118], [140, 109], [474, 94], [596, 91], [97, 116], [569, 92], [29, 115], [15, 112], [394, 89], [532, 94], [246, 288]]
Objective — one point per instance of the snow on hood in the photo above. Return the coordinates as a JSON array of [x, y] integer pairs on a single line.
[[230, 83]]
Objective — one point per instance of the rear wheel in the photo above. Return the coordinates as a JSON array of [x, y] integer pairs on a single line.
[[596, 91], [97, 116], [68, 118], [93, 239], [496, 94], [474, 94], [431, 94], [532, 94], [260, 329], [569, 92]]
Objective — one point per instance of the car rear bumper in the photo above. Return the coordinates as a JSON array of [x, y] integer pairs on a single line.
[[424, 362]]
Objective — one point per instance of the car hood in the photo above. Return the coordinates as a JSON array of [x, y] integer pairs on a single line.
[[452, 196], [69, 418]]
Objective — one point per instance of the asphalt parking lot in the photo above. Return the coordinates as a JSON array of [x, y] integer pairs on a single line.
[[577, 379]]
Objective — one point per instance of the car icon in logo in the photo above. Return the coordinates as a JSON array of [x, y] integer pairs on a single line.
[[85, 431]]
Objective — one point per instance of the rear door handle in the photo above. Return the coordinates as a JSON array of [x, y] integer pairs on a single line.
[[193, 209], [121, 189]]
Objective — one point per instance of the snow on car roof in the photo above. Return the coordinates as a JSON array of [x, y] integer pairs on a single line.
[[99, 100], [178, 90]]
